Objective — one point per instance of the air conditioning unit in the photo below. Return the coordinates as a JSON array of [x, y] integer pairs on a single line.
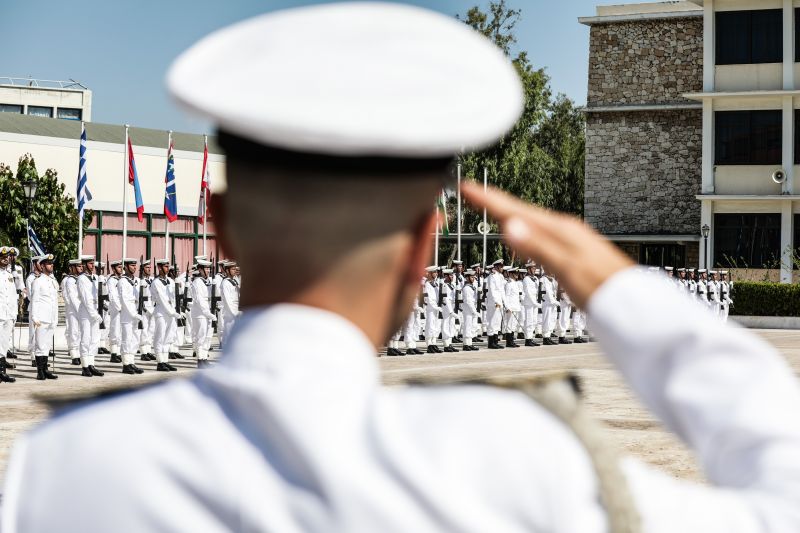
[[779, 176]]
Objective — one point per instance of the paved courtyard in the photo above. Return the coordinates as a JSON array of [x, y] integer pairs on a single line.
[[609, 400]]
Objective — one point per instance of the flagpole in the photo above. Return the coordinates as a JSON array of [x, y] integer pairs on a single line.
[[80, 212], [166, 220], [203, 193], [436, 240], [485, 226], [458, 253], [125, 163]]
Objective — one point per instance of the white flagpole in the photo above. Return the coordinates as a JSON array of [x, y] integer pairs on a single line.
[[125, 196], [436, 240], [458, 252], [80, 213], [205, 207], [166, 220], [485, 227]]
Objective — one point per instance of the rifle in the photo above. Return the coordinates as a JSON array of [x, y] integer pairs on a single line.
[[178, 295], [140, 308], [440, 300], [214, 298], [102, 298], [186, 298]]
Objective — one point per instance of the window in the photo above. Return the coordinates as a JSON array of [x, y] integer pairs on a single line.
[[745, 240], [40, 111], [10, 108], [662, 255], [748, 137], [68, 113], [747, 37]]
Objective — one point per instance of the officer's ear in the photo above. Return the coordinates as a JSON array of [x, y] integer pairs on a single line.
[[420, 253]]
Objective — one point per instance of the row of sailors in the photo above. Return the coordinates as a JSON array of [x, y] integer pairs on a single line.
[[503, 300], [132, 313], [711, 288]]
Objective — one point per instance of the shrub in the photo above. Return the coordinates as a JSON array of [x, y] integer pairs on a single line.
[[765, 299]]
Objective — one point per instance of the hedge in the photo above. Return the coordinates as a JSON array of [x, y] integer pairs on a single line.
[[765, 299]]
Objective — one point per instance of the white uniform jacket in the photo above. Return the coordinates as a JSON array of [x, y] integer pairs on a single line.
[[530, 291], [162, 294], [45, 300], [8, 296], [496, 290], [87, 293], [201, 294], [298, 437], [230, 296], [512, 300], [69, 291], [128, 294]]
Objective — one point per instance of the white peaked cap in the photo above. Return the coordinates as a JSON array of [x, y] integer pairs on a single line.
[[352, 79], [130, 260], [498, 262], [74, 262], [469, 272], [447, 271], [162, 261], [509, 267], [476, 265], [87, 258], [432, 268], [203, 263], [458, 262]]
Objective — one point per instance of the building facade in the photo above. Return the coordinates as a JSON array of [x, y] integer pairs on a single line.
[[66, 100], [691, 117], [55, 144]]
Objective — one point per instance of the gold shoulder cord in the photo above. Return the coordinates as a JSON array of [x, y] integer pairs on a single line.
[[559, 394]]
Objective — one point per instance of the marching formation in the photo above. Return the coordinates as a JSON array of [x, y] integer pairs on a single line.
[[712, 288], [496, 301], [129, 311]]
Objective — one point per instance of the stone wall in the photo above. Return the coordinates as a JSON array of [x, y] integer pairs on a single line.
[[645, 62], [643, 170]]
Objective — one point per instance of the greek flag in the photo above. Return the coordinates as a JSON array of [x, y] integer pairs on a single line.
[[84, 196], [37, 248]]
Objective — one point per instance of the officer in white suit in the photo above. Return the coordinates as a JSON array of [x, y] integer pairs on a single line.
[[130, 320], [114, 310], [44, 315], [202, 316], [495, 304], [470, 310], [72, 304], [433, 320], [88, 317], [8, 310], [229, 289], [530, 302], [165, 317], [295, 436]]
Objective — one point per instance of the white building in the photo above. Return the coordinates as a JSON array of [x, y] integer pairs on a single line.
[[54, 144], [68, 100]]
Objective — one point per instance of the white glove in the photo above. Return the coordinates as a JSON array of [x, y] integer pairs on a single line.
[[210, 316], [97, 319]]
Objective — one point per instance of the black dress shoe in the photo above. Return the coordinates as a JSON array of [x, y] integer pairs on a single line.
[[103, 351], [162, 367], [417, 351], [11, 355], [538, 335], [5, 364], [33, 363], [86, 372], [48, 374], [137, 369], [450, 349], [578, 340], [76, 361], [175, 355], [549, 342], [127, 369], [432, 349], [115, 358], [170, 367], [391, 352], [194, 354], [564, 340], [411, 352], [510, 341], [5, 378], [531, 342], [520, 336], [95, 371]]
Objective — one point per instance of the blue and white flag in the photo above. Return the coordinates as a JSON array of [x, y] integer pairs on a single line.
[[37, 248], [84, 196]]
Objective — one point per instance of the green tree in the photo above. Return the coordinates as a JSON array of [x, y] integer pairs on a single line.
[[541, 160], [54, 216]]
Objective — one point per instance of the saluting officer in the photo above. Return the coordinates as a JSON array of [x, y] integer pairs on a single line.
[[44, 315]]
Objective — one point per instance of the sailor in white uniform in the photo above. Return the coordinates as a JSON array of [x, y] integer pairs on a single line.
[[44, 315], [726, 301], [229, 289], [470, 310], [148, 325], [433, 309], [202, 316], [448, 306], [294, 437], [88, 317], [530, 302], [513, 306], [162, 294], [114, 310], [130, 320], [549, 307], [8, 310], [495, 304], [72, 304], [18, 276], [34, 273]]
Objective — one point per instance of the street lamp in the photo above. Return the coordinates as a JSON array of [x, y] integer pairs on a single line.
[[706, 230], [30, 194]]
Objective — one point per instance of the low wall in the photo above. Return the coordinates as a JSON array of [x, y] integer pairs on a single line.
[[768, 322]]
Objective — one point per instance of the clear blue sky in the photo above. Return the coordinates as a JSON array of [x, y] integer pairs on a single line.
[[121, 50]]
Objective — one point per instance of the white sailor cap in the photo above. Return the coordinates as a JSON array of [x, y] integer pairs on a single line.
[[457, 262], [724, 272], [537, 271], [377, 79], [432, 268], [130, 261], [45, 258], [74, 262], [162, 262], [115, 262], [681, 270], [712, 271], [447, 271], [530, 264], [669, 269], [498, 262], [701, 270], [87, 258], [469, 272], [509, 267], [199, 257], [522, 270], [230, 264], [203, 263], [476, 265]]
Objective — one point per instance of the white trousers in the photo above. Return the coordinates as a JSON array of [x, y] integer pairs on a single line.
[[201, 338], [494, 319], [448, 329], [163, 333], [146, 333], [433, 325], [579, 323], [90, 338], [227, 321], [410, 331], [511, 324], [6, 331], [548, 318], [468, 324], [130, 339], [44, 340], [531, 316], [73, 333], [31, 335], [563, 320], [114, 333]]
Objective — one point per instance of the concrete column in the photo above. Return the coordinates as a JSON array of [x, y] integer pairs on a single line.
[[709, 52], [706, 217], [708, 147], [788, 45], [788, 142], [787, 241]]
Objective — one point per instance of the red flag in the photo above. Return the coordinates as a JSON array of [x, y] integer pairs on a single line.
[[205, 188]]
